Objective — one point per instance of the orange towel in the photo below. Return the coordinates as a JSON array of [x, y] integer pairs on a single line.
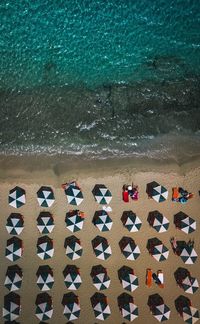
[[175, 193], [149, 278]]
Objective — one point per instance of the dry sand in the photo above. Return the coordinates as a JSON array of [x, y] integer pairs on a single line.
[[113, 177]]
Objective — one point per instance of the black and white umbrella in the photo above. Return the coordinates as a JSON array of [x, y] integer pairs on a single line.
[[100, 278], [102, 221], [156, 191], [45, 196], [73, 193], [190, 285], [71, 305], [74, 220], [100, 306], [14, 249], [162, 313], [17, 197], [45, 279], [13, 280], [131, 221], [158, 308], [73, 247], [184, 307], [184, 223], [45, 249], [102, 194], [72, 277], [190, 315], [130, 250], [188, 255], [157, 249], [15, 224], [44, 307], [127, 307], [159, 222], [45, 223], [128, 279], [12, 307], [101, 248]]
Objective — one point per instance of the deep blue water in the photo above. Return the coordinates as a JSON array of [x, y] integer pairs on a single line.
[[100, 77]]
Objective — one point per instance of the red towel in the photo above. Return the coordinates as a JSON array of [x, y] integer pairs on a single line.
[[125, 196]]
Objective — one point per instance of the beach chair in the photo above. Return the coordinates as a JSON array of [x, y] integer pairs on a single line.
[[149, 278]]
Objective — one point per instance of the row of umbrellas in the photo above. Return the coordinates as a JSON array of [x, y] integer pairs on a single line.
[[102, 249], [101, 308], [74, 221], [102, 195], [99, 276], [46, 198]]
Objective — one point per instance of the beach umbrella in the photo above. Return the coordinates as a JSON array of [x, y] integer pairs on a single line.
[[190, 285], [190, 315], [128, 279], [101, 247], [162, 312], [184, 223], [73, 247], [72, 277], [188, 255], [131, 221], [158, 308], [100, 278], [71, 306], [13, 280], [14, 249], [100, 306], [73, 193], [157, 249], [74, 220], [12, 307], [127, 307], [102, 221], [129, 249], [45, 196], [45, 279], [15, 224], [45, 248], [17, 197], [158, 221], [44, 307], [156, 191], [102, 194], [45, 223]]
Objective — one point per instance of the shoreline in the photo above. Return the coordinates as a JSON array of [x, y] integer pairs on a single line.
[[38, 168]]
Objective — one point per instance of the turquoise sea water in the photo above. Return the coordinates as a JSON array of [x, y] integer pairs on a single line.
[[100, 77]]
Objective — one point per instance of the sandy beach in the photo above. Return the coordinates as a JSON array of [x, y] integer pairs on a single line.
[[113, 175]]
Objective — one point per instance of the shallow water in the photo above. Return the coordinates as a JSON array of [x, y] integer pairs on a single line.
[[100, 78]]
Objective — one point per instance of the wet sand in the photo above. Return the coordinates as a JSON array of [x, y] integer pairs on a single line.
[[113, 175]]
